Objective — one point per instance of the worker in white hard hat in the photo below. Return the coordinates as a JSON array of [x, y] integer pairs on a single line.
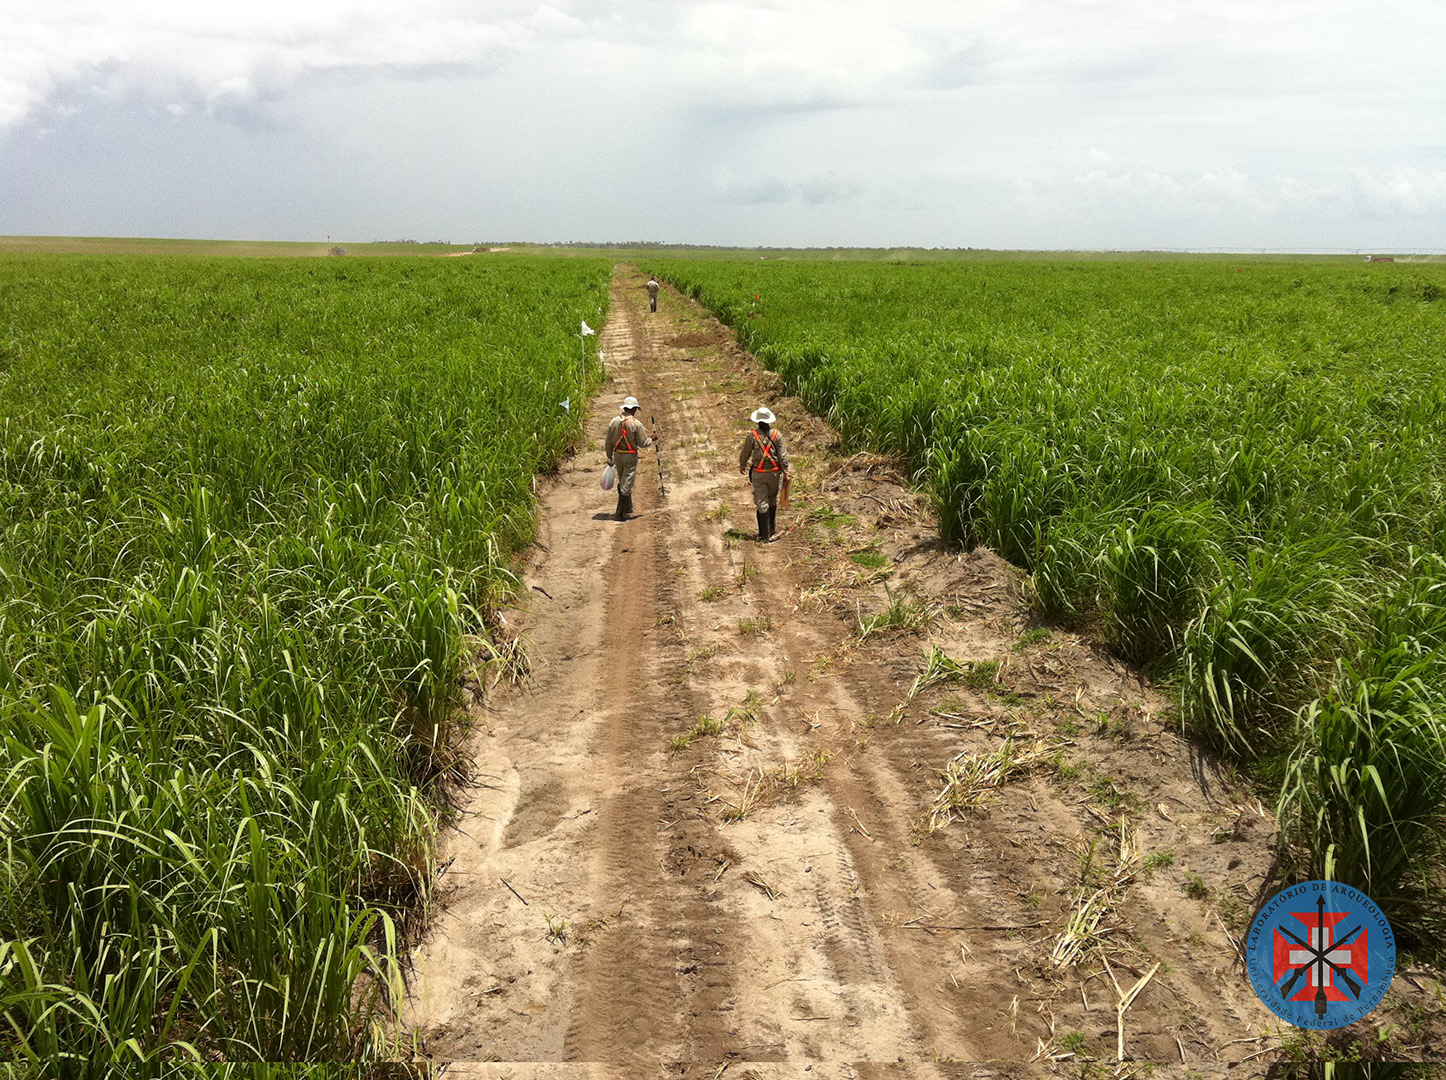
[[626, 436], [764, 461]]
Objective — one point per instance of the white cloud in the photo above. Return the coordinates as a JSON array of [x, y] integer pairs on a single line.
[[1049, 121], [1227, 193], [728, 52], [764, 189], [1412, 192], [827, 189], [206, 53], [1145, 194], [815, 191]]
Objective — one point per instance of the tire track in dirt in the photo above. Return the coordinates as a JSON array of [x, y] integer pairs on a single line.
[[585, 810], [842, 999], [650, 983], [886, 878]]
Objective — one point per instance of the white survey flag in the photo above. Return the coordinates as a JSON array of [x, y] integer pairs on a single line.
[[586, 329]]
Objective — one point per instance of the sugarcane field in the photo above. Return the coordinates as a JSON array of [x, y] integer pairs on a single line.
[[969, 662]]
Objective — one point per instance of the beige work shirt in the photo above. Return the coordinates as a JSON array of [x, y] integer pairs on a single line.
[[637, 434], [751, 456]]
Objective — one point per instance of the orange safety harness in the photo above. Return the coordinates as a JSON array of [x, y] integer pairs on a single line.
[[769, 462], [624, 445]]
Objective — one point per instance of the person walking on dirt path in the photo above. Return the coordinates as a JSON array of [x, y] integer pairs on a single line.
[[765, 462], [626, 436], [653, 288]]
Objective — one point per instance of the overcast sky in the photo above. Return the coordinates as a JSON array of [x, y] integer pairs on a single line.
[[1199, 124]]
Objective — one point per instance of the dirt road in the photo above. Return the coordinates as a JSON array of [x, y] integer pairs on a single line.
[[714, 829]]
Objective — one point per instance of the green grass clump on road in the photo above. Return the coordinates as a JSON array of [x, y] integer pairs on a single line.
[[254, 513]]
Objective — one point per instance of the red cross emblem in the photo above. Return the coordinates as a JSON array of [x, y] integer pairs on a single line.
[[1321, 964]]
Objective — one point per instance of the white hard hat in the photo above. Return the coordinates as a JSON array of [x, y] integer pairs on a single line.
[[630, 403], [762, 415]]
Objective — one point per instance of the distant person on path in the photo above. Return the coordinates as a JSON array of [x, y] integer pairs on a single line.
[[626, 436], [765, 462], [653, 288]]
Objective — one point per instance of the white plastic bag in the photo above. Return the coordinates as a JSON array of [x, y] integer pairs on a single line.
[[609, 477]]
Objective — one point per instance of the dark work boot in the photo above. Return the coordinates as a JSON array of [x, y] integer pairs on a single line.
[[772, 520], [627, 507], [622, 511], [762, 527]]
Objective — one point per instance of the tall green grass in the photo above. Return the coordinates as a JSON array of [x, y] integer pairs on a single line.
[[1232, 471], [255, 516], [1365, 787]]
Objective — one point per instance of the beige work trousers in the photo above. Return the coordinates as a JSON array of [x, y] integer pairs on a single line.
[[765, 489], [627, 467]]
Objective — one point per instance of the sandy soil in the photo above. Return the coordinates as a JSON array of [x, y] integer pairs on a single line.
[[784, 892]]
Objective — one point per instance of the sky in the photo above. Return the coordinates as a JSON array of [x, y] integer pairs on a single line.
[[1242, 125]]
